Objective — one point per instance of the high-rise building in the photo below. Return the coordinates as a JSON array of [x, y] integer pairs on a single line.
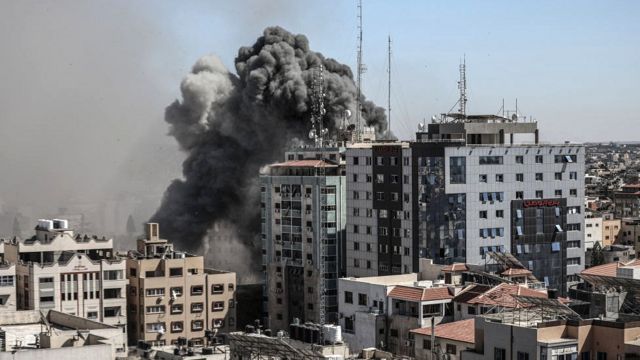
[[303, 219], [173, 297], [468, 186], [68, 272]]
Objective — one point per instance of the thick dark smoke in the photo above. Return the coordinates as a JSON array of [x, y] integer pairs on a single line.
[[231, 125]]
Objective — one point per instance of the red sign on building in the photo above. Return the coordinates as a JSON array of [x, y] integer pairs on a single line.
[[540, 203]]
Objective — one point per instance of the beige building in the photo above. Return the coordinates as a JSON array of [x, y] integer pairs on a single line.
[[7, 283], [172, 295], [57, 269], [610, 229]]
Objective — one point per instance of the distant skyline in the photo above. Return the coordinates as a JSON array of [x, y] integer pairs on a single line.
[[85, 83]]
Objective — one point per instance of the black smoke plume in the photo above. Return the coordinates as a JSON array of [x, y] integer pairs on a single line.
[[231, 125]]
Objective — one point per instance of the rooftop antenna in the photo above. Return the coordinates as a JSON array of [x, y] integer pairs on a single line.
[[361, 69], [318, 131], [462, 86], [389, 92]]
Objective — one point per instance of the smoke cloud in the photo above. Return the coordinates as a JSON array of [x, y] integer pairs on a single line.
[[230, 125]]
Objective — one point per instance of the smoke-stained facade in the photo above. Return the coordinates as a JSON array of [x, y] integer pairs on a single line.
[[231, 125]]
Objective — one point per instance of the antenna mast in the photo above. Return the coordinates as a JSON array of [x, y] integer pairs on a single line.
[[318, 131], [389, 92], [462, 86], [361, 68]]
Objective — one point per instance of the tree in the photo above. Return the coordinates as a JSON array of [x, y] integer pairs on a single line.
[[597, 257], [131, 226]]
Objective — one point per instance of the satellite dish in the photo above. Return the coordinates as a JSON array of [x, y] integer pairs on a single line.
[[421, 127], [514, 117], [347, 113], [433, 119], [312, 134]]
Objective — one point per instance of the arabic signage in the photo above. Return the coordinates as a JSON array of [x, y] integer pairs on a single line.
[[540, 203]]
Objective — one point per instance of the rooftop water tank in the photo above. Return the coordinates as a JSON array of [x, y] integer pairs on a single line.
[[332, 334]]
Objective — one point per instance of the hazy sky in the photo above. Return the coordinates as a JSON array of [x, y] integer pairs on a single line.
[[84, 84]]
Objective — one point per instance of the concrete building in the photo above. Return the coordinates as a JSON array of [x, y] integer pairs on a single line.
[[79, 275], [363, 305], [32, 334], [610, 229], [303, 221], [612, 253], [559, 339], [627, 201], [447, 341], [468, 186], [592, 231], [8, 301], [630, 232], [172, 295]]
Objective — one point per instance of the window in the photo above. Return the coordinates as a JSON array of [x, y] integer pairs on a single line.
[[457, 170], [557, 176], [218, 323], [519, 195], [471, 310], [393, 333], [155, 327], [565, 158], [383, 213], [217, 306], [175, 272], [379, 161], [380, 179], [573, 244], [573, 227], [499, 213], [600, 355], [451, 349], [217, 288], [112, 293], [555, 246], [382, 231], [113, 311], [177, 326], [573, 261], [156, 309], [197, 307], [155, 292], [499, 178], [113, 274], [197, 325], [197, 290], [348, 297], [523, 355], [45, 280], [573, 192], [490, 160], [558, 192], [483, 178], [573, 175], [539, 177], [483, 214], [379, 195], [519, 159], [362, 299], [499, 354], [176, 291], [539, 194], [177, 308], [92, 315], [133, 272], [356, 195], [395, 179], [426, 344], [539, 159], [355, 160], [46, 299]]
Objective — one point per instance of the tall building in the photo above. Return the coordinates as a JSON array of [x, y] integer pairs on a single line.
[[172, 296], [68, 272], [468, 186], [303, 219]]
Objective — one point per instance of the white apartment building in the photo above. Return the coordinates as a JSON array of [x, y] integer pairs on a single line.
[[592, 231], [68, 272]]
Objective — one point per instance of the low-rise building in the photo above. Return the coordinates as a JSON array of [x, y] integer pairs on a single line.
[[32, 334], [592, 231], [450, 339], [57, 269], [172, 295], [558, 339], [630, 232], [610, 229], [627, 201], [7, 287], [478, 299]]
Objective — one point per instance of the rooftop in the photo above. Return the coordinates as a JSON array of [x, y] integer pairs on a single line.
[[418, 294], [455, 267], [500, 295], [463, 330]]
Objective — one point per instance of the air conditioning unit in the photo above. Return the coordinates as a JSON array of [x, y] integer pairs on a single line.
[[309, 262]]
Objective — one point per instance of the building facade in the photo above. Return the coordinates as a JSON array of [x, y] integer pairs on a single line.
[[627, 201], [466, 188], [172, 295], [75, 274], [303, 239]]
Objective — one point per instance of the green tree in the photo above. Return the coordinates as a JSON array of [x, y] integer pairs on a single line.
[[597, 257]]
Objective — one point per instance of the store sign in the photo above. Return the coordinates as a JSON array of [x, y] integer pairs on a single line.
[[541, 203]]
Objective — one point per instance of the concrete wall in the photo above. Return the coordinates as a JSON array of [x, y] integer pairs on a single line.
[[94, 352]]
